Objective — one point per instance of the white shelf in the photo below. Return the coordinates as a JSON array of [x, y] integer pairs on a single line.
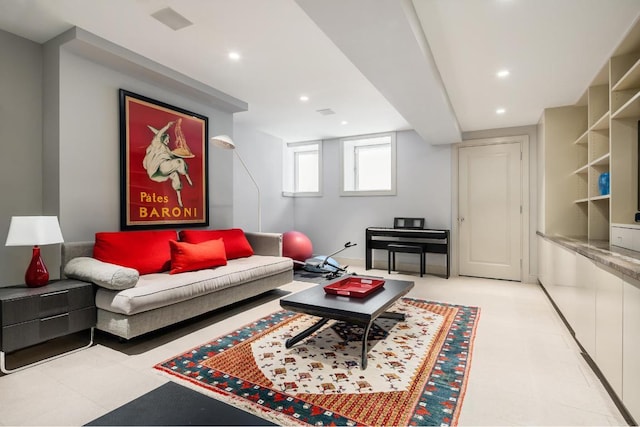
[[602, 123], [629, 110], [630, 80], [606, 197], [602, 160], [582, 139], [581, 170]]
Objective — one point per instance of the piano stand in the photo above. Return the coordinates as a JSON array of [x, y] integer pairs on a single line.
[[430, 240], [407, 249]]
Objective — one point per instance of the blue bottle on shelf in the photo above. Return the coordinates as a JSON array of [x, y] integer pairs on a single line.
[[603, 183]]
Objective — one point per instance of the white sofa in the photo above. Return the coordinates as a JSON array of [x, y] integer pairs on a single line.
[[162, 299]]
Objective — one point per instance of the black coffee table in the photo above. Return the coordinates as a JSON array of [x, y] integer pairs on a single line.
[[360, 311]]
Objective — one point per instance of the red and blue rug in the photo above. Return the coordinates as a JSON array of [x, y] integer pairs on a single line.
[[417, 368]]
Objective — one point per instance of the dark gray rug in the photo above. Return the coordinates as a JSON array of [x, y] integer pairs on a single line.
[[174, 405]]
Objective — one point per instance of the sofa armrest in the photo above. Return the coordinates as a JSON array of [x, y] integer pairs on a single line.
[[71, 250], [265, 243]]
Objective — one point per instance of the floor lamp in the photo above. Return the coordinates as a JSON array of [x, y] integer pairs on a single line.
[[225, 142]]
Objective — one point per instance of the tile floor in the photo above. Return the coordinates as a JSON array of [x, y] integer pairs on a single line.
[[526, 369]]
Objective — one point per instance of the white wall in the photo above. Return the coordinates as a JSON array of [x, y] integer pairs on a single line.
[[424, 190], [21, 139], [262, 153]]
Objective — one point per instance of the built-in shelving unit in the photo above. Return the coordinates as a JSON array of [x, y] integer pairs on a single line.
[[599, 134], [578, 143], [625, 107]]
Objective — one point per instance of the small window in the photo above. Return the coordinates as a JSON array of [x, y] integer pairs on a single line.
[[369, 165], [302, 172]]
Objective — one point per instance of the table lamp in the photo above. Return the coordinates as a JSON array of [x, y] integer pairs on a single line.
[[36, 231]]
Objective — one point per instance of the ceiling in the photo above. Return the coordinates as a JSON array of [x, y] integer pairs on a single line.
[[377, 65]]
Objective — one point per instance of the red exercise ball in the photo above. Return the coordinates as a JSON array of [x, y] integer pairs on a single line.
[[296, 245]]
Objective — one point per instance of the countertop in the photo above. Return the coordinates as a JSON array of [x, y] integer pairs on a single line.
[[622, 260]]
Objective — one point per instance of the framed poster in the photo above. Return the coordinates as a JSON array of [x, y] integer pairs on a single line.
[[163, 165]]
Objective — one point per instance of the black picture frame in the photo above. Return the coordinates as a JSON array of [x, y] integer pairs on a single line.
[[164, 167]]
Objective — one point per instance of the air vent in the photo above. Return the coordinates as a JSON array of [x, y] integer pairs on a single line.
[[172, 19], [326, 111]]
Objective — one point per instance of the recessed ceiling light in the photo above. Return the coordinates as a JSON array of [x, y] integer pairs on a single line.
[[235, 56], [304, 98], [501, 111], [344, 122], [503, 73]]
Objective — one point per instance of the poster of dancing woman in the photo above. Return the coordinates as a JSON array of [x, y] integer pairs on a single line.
[[163, 165]]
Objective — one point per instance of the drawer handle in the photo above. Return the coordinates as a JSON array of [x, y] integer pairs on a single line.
[[54, 293], [44, 319]]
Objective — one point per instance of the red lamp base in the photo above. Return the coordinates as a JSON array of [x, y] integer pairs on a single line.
[[37, 274]]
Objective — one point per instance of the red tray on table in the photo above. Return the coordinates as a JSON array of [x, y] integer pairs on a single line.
[[354, 286]]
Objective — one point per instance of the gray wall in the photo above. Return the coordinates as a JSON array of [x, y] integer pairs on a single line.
[[60, 130], [21, 140], [65, 162], [424, 190], [89, 147], [262, 153]]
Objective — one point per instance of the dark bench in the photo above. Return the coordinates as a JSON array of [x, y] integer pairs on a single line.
[[407, 248]]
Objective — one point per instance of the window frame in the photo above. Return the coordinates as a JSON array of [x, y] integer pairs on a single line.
[[291, 165], [345, 142]]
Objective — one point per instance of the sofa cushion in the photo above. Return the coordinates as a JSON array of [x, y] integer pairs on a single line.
[[103, 274], [162, 289], [196, 256], [145, 251], [235, 242]]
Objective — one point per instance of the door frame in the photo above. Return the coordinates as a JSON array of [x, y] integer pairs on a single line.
[[523, 140]]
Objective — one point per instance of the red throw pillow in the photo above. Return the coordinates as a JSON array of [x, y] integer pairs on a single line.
[[146, 251], [196, 256], [235, 242]]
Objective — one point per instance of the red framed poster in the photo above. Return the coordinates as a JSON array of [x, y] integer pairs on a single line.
[[163, 165]]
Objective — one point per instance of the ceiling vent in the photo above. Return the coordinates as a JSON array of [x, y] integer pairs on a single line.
[[326, 111], [171, 19]]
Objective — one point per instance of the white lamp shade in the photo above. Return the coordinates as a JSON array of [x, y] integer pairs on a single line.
[[34, 230], [223, 141]]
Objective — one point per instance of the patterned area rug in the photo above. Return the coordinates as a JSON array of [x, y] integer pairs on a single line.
[[417, 368]]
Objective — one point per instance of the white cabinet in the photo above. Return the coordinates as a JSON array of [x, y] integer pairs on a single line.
[[608, 354], [631, 349], [626, 236], [564, 281], [584, 323], [545, 262], [591, 300]]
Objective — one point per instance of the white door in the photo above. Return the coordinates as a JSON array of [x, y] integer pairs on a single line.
[[490, 214]]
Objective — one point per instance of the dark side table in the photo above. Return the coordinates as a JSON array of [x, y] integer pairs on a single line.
[[32, 316]]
